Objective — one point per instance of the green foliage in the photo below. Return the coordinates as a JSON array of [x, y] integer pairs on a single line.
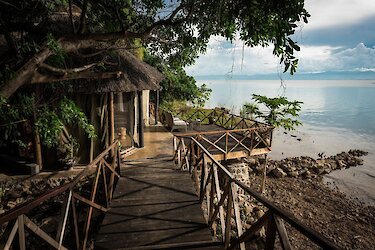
[[178, 85], [280, 111], [70, 113], [59, 55], [173, 106], [248, 110], [178, 41], [51, 121], [6, 74], [49, 126], [11, 115]]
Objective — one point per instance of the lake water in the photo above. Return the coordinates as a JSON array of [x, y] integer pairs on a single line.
[[337, 115]]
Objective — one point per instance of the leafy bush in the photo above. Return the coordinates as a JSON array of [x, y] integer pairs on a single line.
[[280, 111]]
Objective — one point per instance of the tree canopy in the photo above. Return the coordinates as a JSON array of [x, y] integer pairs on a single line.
[[37, 36]]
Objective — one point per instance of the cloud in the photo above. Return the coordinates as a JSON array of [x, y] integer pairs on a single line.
[[340, 36], [348, 35], [223, 58], [337, 12], [359, 58]]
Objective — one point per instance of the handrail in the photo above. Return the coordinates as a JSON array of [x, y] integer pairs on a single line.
[[98, 166], [272, 220]]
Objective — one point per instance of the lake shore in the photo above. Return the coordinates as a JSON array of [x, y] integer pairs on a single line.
[[296, 184], [308, 140], [347, 222]]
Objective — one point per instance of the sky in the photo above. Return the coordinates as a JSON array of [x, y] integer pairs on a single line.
[[340, 36]]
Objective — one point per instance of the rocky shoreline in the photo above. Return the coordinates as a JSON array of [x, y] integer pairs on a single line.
[[306, 167], [295, 184]]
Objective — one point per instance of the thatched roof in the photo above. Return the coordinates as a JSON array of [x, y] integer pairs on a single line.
[[137, 75]]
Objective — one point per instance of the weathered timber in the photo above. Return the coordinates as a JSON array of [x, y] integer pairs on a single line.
[[154, 206]]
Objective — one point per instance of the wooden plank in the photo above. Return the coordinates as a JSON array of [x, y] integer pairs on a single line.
[[92, 119], [153, 210], [90, 203], [21, 232], [184, 245], [62, 224], [228, 217], [283, 235], [105, 187], [9, 237], [89, 214], [40, 233], [218, 193], [112, 121], [75, 222], [251, 231], [110, 168], [237, 215], [270, 234]]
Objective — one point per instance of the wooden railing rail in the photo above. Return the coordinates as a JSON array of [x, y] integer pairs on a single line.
[[105, 168], [226, 141], [220, 117], [218, 192]]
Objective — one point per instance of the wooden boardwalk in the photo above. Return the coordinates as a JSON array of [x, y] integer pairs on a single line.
[[154, 206], [236, 144]]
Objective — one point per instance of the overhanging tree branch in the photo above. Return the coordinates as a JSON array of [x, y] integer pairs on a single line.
[[74, 43], [40, 78], [67, 71]]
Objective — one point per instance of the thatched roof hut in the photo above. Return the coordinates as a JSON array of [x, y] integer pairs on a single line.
[[136, 75]]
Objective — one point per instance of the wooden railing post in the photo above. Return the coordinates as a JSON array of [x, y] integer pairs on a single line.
[[270, 234], [228, 217], [89, 214], [21, 233], [218, 194], [203, 175], [174, 146], [237, 214], [226, 145], [61, 236], [264, 175]]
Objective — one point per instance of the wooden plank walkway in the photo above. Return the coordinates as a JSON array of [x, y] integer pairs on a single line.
[[155, 206], [238, 152]]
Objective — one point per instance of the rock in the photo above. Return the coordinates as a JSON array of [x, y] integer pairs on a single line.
[[327, 171], [249, 208], [278, 173], [251, 161], [11, 204], [259, 170], [293, 174], [259, 214], [306, 174], [13, 194], [250, 220]]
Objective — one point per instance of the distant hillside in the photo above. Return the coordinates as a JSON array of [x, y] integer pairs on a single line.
[[330, 75]]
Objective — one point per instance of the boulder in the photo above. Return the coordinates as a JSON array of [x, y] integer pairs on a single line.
[[278, 173]]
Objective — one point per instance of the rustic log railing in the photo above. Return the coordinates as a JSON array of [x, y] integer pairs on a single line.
[[236, 142], [218, 192], [219, 117], [104, 170]]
